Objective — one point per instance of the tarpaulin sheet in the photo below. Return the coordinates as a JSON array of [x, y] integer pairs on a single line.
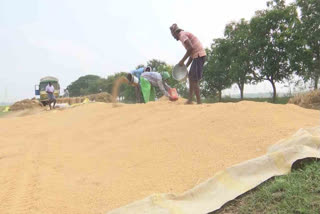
[[232, 182]]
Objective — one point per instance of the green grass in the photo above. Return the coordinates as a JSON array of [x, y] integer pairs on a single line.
[[1, 109], [296, 193], [279, 100]]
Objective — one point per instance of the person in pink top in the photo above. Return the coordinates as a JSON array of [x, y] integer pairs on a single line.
[[197, 56]]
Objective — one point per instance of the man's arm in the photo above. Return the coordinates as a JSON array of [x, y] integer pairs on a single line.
[[162, 89], [166, 86], [189, 61], [188, 53]]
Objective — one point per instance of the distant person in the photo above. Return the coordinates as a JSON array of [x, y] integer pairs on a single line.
[[137, 73], [158, 80], [51, 97], [66, 93], [196, 54]]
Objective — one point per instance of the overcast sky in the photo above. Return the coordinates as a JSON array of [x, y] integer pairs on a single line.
[[71, 38]]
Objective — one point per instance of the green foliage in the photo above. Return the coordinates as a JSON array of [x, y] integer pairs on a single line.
[[273, 41], [297, 192], [92, 84], [140, 66], [309, 31], [241, 56], [217, 74], [84, 85], [156, 65], [274, 45], [126, 92]]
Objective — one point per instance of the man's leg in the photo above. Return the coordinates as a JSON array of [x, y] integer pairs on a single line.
[[49, 103], [191, 88], [197, 91], [54, 102]]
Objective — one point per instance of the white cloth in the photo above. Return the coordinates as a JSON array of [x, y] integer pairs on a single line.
[[49, 89]]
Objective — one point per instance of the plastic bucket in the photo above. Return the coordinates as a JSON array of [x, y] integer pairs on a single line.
[[133, 80], [173, 94], [180, 73]]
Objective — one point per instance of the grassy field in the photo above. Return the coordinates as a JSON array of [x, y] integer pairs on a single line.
[[296, 193]]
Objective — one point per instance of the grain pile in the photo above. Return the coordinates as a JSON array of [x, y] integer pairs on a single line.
[[93, 158], [26, 104], [100, 97], [309, 100], [165, 100]]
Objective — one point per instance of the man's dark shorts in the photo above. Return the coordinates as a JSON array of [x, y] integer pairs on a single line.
[[196, 70]]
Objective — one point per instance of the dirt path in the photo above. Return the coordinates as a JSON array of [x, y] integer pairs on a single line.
[[94, 158]]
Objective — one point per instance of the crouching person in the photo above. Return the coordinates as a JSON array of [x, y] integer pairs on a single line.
[[150, 80], [137, 73]]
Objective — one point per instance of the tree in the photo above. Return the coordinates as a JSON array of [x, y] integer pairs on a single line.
[[126, 92], [156, 64], [84, 85], [310, 31], [272, 31], [140, 66], [216, 75], [92, 84], [241, 68]]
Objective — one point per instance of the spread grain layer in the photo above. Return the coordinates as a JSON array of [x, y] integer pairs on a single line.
[[96, 157]]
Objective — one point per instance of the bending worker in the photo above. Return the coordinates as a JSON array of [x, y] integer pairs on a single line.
[[137, 88], [154, 79]]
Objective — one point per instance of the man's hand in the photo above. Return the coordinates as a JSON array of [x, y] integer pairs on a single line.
[[181, 63]]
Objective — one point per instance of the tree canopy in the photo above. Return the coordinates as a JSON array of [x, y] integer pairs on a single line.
[[89, 84], [272, 41], [217, 75], [240, 54], [310, 36]]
